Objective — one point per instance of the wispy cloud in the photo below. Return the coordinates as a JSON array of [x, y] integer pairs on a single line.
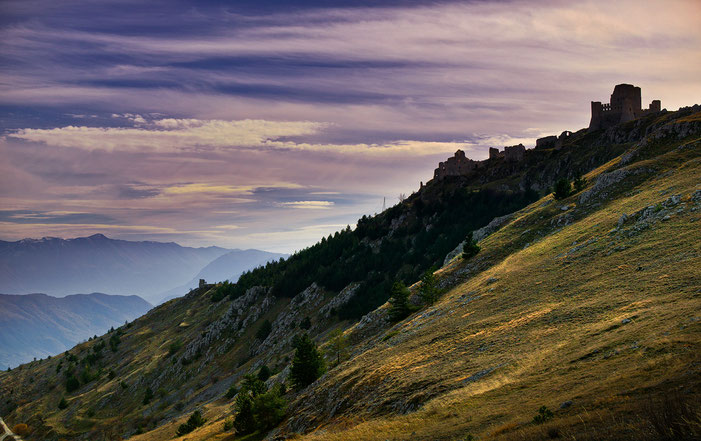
[[307, 204]]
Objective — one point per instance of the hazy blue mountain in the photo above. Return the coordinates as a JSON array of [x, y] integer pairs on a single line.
[[37, 325], [99, 264], [226, 267]]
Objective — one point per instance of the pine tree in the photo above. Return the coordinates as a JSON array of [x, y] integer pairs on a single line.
[[562, 189], [244, 422], [307, 364], [428, 289], [63, 403], [470, 249], [399, 301]]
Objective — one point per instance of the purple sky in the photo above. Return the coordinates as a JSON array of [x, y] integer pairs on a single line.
[[269, 125]]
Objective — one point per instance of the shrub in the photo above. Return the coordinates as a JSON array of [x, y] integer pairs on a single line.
[[269, 409], [251, 385], [307, 364], [265, 329], [231, 393], [114, 341], [399, 301], [579, 183], [21, 429], [264, 373], [470, 249], [72, 383], [192, 423], [63, 403], [306, 323], [544, 414], [147, 396], [562, 189], [428, 291], [111, 374], [228, 425], [123, 384], [174, 347]]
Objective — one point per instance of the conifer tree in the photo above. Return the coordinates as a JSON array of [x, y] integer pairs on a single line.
[[428, 289], [399, 301], [307, 364], [470, 249], [338, 346]]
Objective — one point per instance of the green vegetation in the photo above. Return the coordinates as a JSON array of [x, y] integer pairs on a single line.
[[174, 347], [148, 396], [306, 323], [470, 249], [72, 383], [544, 414], [562, 189], [192, 423], [399, 302], [338, 346], [579, 183], [264, 373], [307, 364], [231, 392], [63, 403], [428, 291]]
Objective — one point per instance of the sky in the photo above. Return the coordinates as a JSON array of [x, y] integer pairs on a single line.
[[254, 124]]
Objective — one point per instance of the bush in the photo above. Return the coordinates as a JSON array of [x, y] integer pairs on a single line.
[[579, 183], [114, 342], [147, 396], [269, 409], [307, 364], [562, 189], [174, 347], [72, 383], [111, 374], [231, 393], [264, 373], [228, 425], [306, 323], [470, 249], [544, 414], [123, 384], [192, 423], [63, 403], [399, 301], [265, 329], [21, 429]]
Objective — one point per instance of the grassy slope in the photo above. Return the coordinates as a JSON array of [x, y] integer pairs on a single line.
[[549, 329]]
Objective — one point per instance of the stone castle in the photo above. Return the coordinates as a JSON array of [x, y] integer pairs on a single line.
[[624, 107]]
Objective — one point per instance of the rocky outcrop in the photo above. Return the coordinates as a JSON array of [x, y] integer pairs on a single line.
[[479, 235]]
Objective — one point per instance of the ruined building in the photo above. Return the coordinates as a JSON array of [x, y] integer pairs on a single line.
[[624, 106], [459, 164]]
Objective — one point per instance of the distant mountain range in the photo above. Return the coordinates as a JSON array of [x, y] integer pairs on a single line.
[[225, 267], [152, 270], [37, 325]]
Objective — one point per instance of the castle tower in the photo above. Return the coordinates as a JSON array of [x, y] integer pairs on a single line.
[[625, 106]]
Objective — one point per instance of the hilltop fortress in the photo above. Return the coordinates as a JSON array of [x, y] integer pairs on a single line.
[[624, 106]]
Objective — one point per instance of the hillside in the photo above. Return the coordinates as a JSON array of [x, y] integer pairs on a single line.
[[36, 325], [586, 305]]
